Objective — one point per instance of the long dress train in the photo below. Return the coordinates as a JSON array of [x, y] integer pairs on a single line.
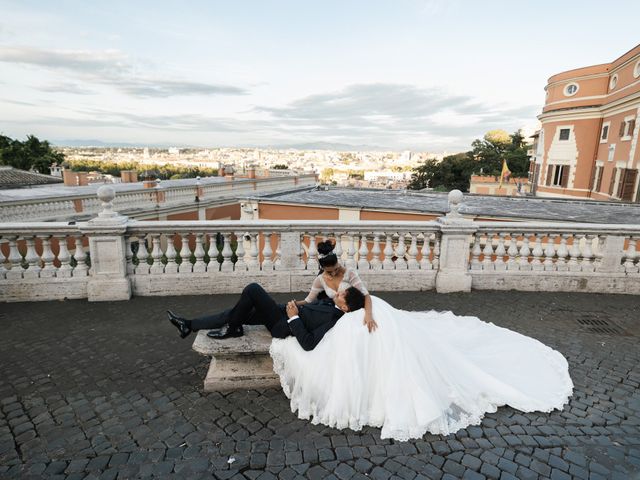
[[419, 372]]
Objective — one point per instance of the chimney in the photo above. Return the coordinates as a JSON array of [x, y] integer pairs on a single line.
[[221, 172], [252, 172], [70, 178], [129, 176], [83, 178]]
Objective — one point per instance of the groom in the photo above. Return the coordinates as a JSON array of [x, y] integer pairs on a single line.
[[309, 323]]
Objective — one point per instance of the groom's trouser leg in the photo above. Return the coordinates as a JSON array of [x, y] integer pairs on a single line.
[[255, 300], [208, 322]]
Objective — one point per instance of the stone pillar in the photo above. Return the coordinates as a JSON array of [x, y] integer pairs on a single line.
[[291, 251], [108, 276], [453, 270], [69, 178], [612, 250]]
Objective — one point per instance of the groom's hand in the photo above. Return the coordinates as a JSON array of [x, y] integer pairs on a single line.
[[292, 309]]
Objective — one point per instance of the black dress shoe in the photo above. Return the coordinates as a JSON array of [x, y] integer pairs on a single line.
[[180, 323], [226, 332]]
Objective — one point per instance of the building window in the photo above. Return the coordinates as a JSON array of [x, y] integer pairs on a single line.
[[627, 126], [605, 133], [596, 181], [636, 70], [564, 134], [612, 152], [558, 175], [571, 89], [613, 82]]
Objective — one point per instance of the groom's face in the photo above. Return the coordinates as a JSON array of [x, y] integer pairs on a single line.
[[341, 301]]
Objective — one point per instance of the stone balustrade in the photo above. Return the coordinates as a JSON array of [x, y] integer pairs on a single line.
[[112, 257], [70, 206]]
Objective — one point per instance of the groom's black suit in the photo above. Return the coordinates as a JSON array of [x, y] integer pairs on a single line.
[[256, 307]]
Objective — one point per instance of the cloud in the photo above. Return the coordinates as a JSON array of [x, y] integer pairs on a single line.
[[111, 68], [395, 113]]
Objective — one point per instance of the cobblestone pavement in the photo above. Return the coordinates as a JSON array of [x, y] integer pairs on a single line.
[[108, 390]]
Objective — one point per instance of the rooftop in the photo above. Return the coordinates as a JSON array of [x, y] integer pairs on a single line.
[[90, 389], [11, 178], [511, 208]]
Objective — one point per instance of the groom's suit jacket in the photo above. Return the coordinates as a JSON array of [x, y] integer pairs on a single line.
[[313, 322]]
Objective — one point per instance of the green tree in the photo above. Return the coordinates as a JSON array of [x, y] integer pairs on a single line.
[[497, 146], [280, 166], [32, 153], [454, 171]]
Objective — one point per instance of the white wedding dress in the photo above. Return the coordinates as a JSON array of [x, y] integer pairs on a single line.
[[418, 372]]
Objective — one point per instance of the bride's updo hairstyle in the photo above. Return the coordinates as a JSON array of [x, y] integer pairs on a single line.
[[326, 256]]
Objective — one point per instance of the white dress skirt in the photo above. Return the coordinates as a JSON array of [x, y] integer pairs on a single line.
[[418, 372]]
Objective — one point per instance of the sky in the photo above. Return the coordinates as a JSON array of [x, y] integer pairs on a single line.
[[428, 75]]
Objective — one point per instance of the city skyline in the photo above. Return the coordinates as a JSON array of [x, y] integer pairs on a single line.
[[421, 75]]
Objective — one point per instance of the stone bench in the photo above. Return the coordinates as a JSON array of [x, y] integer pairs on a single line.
[[238, 363]]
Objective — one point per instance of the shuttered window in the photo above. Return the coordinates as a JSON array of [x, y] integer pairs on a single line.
[[623, 127], [600, 171], [605, 132], [613, 180], [564, 134], [549, 174]]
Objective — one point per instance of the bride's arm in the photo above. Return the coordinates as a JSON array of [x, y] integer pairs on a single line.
[[355, 280], [368, 315], [316, 288]]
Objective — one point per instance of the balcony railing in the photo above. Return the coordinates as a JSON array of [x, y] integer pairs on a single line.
[[72, 206], [113, 257]]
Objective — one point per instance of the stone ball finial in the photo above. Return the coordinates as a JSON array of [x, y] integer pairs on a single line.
[[106, 194], [455, 197]]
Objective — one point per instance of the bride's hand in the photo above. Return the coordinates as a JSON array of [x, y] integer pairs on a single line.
[[370, 323]]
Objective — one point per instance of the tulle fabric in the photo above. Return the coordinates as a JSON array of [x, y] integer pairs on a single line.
[[419, 372]]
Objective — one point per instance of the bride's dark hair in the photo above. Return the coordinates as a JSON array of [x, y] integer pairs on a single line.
[[326, 256]]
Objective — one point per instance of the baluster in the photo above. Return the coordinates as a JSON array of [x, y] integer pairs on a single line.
[[267, 252], [277, 263], [363, 253], [32, 258], [476, 252], [401, 249], [143, 254], [630, 254], [500, 253], [171, 254], [3, 260], [157, 267], [338, 246], [550, 253], [200, 266], [387, 263], [253, 265], [128, 255], [185, 266], [536, 263], [412, 253], [49, 269], [425, 252], [487, 251], [64, 257], [227, 253], [351, 251], [212, 253], [563, 253], [436, 251], [587, 263], [574, 253], [241, 265], [375, 263], [525, 251], [599, 253], [512, 251], [15, 260], [312, 253]]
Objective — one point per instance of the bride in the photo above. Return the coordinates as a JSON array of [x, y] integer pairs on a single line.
[[416, 372]]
